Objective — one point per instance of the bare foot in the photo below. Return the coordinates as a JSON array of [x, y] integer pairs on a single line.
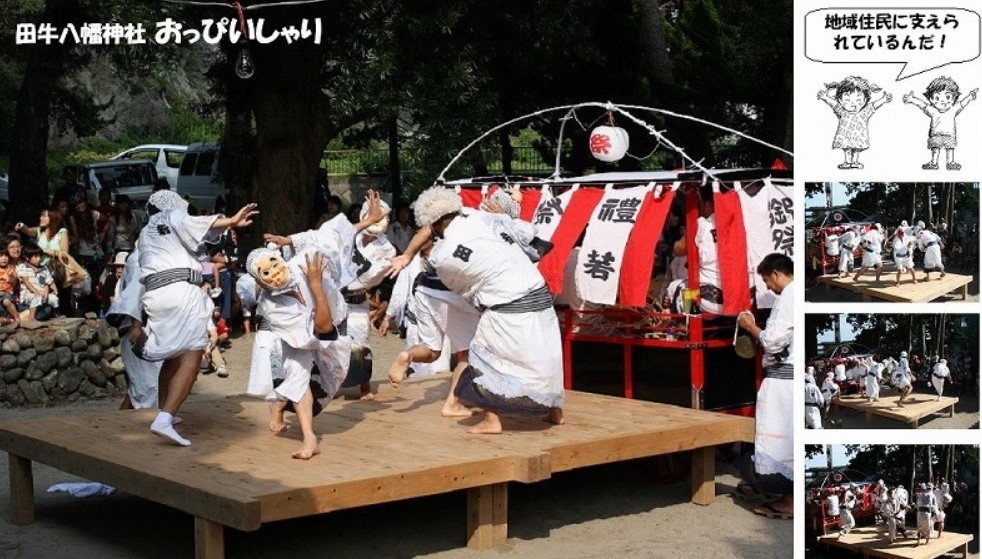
[[942, 274], [490, 425], [276, 422], [366, 392], [556, 416], [397, 372], [308, 450], [455, 409]]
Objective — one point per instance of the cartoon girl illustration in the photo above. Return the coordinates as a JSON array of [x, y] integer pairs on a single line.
[[940, 98], [852, 102]]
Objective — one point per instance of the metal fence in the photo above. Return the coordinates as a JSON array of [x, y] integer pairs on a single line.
[[526, 160]]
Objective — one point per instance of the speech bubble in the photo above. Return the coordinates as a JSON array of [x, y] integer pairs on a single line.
[[921, 39]]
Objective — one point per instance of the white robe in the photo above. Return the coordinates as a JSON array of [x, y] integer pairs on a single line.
[[372, 262], [930, 244], [873, 381], [847, 244], [813, 405], [518, 354], [177, 314], [903, 253], [938, 376], [289, 348], [141, 375], [773, 442], [872, 244]]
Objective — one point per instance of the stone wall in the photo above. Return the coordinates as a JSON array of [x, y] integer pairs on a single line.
[[59, 361]]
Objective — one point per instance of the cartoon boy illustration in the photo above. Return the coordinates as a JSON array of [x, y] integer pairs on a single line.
[[852, 102], [940, 98]]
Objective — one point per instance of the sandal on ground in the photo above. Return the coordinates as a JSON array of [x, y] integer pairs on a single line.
[[746, 492], [768, 510]]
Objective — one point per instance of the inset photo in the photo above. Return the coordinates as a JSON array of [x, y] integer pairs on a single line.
[[899, 242], [892, 501], [891, 371]]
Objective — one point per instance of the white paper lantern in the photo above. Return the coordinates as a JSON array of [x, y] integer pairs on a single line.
[[608, 143]]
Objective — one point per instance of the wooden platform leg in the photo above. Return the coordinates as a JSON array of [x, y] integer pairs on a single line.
[[869, 417], [951, 411], [704, 476], [209, 539], [965, 298], [487, 516], [21, 490], [916, 421]]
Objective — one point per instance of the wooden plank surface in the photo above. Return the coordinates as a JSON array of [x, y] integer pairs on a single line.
[[238, 474], [873, 541], [906, 292], [917, 406]]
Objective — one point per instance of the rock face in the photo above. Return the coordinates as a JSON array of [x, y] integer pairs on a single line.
[[60, 361]]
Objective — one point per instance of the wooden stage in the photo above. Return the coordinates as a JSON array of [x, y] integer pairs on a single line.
[[237, 474], [873, 541], [917, 406], [906, 292]]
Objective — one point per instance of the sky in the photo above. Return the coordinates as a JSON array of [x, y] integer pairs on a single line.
[[838, 458], [839, 197], [848, 334]]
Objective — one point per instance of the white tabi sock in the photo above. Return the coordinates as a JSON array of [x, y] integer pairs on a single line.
[[163, 427]]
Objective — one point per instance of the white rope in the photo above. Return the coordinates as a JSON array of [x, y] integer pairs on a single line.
[[571, 115]]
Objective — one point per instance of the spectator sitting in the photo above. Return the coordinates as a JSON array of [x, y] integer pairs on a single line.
[[213, 358], [214, 271], [69, 189], [50, 234], [107, 287], [9, 313], [106, 211], [37, 286], [123, 228]]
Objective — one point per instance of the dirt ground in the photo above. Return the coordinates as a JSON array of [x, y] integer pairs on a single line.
[[623, 514]]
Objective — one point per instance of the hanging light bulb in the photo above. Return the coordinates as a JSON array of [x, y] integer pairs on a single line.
[[244, 67]]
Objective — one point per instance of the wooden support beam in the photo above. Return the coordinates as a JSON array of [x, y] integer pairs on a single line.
[[704, 475], [487, 516], [209, 539], [21, 490]]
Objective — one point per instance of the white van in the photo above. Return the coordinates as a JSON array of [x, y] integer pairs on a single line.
[[199, 178], [165, 157]]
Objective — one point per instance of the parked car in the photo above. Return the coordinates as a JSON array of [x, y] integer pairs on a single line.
[[165, 157], [199, 178], [133, 177]]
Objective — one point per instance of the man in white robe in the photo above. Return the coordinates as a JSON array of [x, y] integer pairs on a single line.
[[903, 254], [773, 460], [302, 314], [516, 354], [902, 380], [939, 374], [930, 244], [872, 245], [178, 311], [846, 520], [848, 242], [830, 390], [813, 401]]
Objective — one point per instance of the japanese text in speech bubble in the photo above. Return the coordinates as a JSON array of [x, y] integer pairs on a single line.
[[921, 39]]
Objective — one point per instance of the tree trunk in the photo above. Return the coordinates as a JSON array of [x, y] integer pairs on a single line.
[[292, 131], [654, 47], [913, 466], [46, 64], [930, 467], [828, 456], [507, 151], [395, 165]]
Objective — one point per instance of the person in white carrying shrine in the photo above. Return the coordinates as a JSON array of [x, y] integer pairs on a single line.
[[773, 460], [516, 361]]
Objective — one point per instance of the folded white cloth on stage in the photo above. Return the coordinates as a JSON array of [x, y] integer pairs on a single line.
[[82, 489]]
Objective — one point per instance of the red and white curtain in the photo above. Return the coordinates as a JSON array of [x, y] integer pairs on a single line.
[[768, 217]]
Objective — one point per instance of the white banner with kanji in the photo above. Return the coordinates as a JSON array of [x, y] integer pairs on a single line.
[[768, 217], [550, 212], [598, 266]]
